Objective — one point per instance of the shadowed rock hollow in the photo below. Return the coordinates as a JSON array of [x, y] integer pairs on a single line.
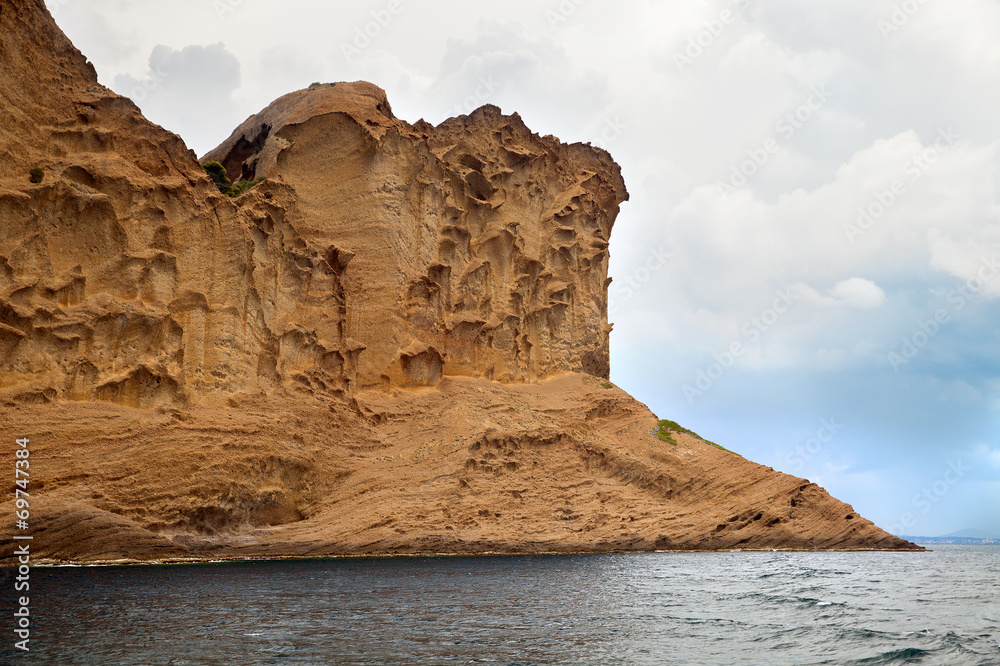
[[396, 343]]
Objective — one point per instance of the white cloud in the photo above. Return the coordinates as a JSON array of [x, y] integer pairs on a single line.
[[853, 292], [858, 293], [988, 455], [505, 63]]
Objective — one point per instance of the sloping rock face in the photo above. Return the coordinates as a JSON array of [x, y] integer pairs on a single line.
[[469, 466], [396, 343]]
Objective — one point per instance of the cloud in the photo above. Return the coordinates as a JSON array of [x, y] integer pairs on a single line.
[[866, 240], [189, 91], [853, 292], [988, 455], [504, 63], [960, 391], [104, 42], [858, 293]]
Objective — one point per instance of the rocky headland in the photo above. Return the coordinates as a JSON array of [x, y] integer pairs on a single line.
[[395, 341]]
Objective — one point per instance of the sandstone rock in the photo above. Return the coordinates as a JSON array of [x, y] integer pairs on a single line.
[[394, 344], [477, 239]]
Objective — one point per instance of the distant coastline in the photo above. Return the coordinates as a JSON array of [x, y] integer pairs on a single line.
[[969, 541]]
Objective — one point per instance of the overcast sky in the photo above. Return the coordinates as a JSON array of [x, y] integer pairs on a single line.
[[807, 270]]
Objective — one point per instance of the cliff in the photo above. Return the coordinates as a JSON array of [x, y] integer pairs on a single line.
[[397, 342], [475, 248]]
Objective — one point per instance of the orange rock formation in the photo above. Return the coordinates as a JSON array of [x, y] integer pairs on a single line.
[[394, 344]]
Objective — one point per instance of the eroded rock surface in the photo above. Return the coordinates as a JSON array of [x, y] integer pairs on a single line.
[[475, 248]]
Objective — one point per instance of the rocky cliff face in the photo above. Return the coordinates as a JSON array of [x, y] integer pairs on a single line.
[[124, 275], [395, 343], [376, 254], [475, 248]]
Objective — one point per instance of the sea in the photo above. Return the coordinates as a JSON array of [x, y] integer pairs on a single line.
[[863, 608]]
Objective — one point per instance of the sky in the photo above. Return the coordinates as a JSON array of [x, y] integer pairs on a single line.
[[808, 270]]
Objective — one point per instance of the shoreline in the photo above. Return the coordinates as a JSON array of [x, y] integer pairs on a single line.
[[45, 563]]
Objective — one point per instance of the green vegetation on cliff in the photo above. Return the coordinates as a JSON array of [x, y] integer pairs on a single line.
[[665, 427]]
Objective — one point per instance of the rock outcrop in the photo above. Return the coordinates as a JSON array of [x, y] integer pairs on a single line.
[[475, 248], [397, 342]]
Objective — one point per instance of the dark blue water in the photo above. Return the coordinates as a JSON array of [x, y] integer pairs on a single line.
[[941, 607]]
